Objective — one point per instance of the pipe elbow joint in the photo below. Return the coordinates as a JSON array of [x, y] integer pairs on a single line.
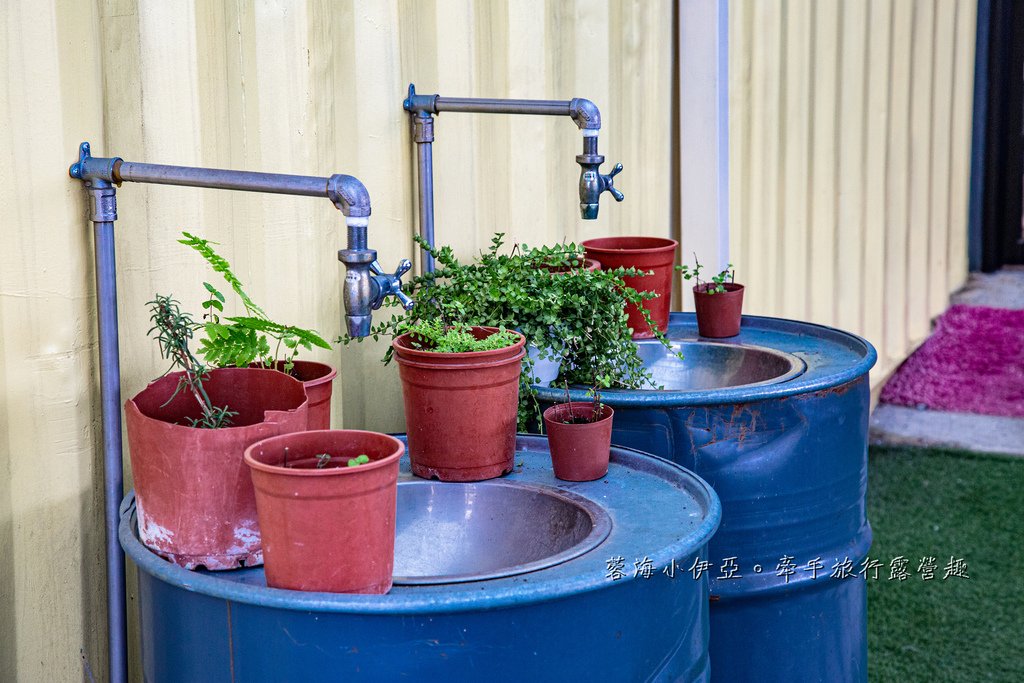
[[350, 195], [585, 113]]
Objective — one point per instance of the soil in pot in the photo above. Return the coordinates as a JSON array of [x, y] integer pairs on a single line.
[[655, 254], [580, 443], [195, 500], [719, 314], [318, 380], [327, 526], [460, 408]]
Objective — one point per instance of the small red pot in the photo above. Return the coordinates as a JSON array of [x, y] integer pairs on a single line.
[[718, 315], [657, 254], [460, 408], [193, 493], [331, 529], [318, 380], [579, 452]]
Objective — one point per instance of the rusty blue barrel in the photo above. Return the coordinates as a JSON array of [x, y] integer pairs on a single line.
[[522, 578], [776, 421]]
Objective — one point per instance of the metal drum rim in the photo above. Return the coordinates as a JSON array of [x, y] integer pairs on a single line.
[[807, 382], [460, 600]]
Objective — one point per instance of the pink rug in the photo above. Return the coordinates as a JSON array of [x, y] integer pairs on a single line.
[[972, 363]]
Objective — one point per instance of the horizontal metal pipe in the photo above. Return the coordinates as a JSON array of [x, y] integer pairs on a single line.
[[498, 106], [221, 179]]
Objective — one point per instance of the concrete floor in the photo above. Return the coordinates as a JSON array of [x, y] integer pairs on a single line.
[[902, 426]]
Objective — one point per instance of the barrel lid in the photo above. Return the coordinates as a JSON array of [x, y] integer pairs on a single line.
[[830, 358], [637, 488]]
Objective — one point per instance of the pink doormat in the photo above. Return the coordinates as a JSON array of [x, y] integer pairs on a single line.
[[972, 363]]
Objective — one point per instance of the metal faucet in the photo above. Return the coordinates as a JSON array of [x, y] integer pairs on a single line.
[[366, 284], [584, 112]]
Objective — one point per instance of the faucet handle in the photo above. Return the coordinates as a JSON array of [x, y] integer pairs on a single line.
[[391, 284], [609, 183]]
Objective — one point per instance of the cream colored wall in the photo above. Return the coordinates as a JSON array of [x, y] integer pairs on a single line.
[[52, 601], [850, 129], [309, 87]]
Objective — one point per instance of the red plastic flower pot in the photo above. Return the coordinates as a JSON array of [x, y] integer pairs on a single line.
[[329, 529], [318, 380], [718, 315], [579, 452], [192, 489], [657, 254], [460, 408]]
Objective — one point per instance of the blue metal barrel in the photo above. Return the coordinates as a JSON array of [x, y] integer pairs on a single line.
[[597, 609], [776, 421]]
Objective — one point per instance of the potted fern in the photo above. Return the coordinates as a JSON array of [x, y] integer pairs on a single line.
[[254, 339], [718, 302], [460, 387], [187, 432]]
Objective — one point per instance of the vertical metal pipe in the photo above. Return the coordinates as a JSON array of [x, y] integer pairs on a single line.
[[424, 137], [110, 397]]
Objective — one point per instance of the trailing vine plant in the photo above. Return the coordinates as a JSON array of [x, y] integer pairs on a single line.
[[173, 330], [570, 314], [241, 340]]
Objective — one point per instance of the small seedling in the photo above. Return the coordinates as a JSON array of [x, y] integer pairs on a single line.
[[358, 460], [597, 408], [714, 286]]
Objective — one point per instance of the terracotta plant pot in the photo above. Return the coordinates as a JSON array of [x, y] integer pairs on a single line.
[[579, 452], [657, 254], [460, 408], [192, 489], [329, 529], [718, 315], [318, 380]]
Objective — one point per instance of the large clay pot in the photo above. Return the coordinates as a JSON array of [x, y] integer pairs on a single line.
[[580, 451], [460, 408], [318, 380], [657, 254], [329, 529], [193, 491], [718, 315]]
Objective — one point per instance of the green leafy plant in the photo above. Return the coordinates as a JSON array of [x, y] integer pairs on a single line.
[[576, 317], [441, 337], [596, 411], [174, 330], [323, 459], [241, 340], [716, 285]]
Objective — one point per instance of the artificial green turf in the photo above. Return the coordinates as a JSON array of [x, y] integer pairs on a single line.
[[942, 503]]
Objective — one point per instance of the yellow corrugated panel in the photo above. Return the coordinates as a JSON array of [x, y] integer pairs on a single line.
[[849, 162], [312, 87], [51, 530]]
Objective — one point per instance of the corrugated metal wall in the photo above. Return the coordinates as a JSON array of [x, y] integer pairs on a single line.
[[850, 129], [310, 87]]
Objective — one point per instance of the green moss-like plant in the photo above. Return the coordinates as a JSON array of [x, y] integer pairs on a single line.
[[435, 335]]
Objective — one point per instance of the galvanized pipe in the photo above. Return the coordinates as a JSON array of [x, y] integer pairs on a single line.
[[222, 179], [583, 112], [484, 105], [423, 135], [103, 213]]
